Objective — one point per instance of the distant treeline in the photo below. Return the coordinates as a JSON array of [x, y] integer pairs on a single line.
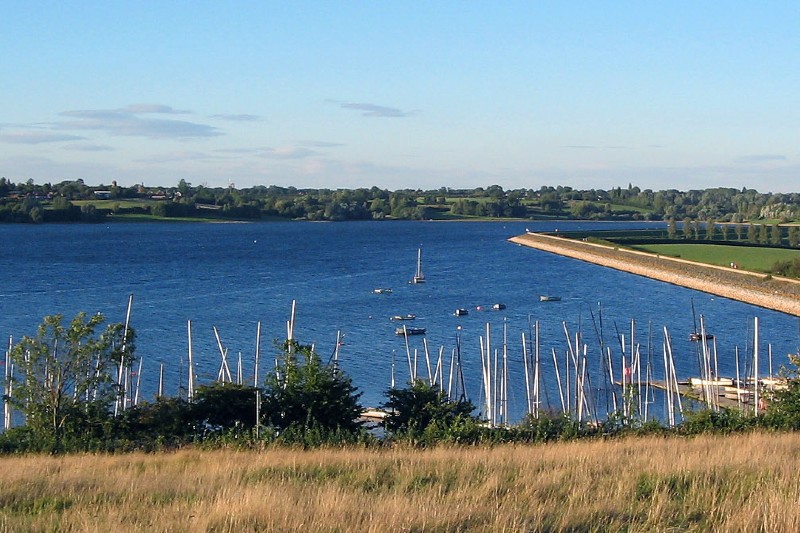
[[72, 201]]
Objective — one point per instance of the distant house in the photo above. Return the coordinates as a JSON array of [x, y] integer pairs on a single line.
[[102, 195]]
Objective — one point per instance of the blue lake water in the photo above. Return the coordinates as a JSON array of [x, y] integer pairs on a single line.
[[234, 275]]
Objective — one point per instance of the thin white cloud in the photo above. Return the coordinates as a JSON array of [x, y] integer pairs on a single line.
[[761, 158], [372, 110], [127, 122], [87, 147], [172, 157], [238, 151], [288, 152], [319, 144], [238, 118], [37, 137], [154, 108]]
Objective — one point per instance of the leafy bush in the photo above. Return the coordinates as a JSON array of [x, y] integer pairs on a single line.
[[724, 421], [422, 413], [304, 394]]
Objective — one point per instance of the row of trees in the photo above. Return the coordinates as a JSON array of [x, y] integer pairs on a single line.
[[67, 382], [711, 230], [31, 202]]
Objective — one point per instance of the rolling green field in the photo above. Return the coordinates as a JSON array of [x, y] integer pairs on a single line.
[[748, 258]]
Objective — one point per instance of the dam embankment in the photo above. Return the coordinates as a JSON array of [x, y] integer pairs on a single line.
[[779, 294]]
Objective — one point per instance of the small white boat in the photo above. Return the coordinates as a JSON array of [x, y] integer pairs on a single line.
[[403, 317], [718, 382], [544, 298], [382, 291], [498, 307], [409, 331]]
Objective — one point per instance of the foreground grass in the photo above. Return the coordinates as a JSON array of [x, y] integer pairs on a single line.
[[735, 483], [749, 258]]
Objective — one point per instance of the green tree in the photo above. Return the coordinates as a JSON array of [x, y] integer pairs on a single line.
[[775, 236], [65, 375], [36, 214], [89, 213], [413, 409], [763, 234], [794, 236], [166, 422], [223, 406], [752, 234], [783, 407], [711, 229], [687, 228], [305, 394], [672, 230], [61, 204]]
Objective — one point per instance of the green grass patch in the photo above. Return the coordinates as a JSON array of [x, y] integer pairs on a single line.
[[141, 217], [616, 208], [748, 258], [122, 204]]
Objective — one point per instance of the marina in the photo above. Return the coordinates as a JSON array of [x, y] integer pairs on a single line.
[[231, 277]]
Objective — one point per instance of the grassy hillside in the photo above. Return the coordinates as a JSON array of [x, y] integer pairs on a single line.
[[736, 483]]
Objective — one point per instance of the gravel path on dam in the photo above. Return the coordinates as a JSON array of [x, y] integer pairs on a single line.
[[779, 294]]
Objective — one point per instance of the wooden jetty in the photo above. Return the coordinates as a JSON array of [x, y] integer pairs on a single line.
[[686, 390]]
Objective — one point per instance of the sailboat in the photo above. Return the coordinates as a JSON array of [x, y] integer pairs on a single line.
[[697, 336], [419, 277]]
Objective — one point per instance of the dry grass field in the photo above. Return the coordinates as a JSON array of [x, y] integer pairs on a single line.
[[735, 483]]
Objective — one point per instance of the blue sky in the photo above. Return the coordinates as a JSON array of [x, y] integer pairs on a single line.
[[684, 95]]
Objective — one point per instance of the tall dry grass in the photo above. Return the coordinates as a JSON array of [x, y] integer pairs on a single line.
[[738, 483]]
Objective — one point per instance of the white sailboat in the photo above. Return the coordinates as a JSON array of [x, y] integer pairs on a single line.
[[419, 277]]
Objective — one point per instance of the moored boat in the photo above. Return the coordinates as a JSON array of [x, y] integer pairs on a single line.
[[498, 307], [382, 291], [718, 382], [405, 330], [545, 298], [460, 312], [419, 276], [403, 317]]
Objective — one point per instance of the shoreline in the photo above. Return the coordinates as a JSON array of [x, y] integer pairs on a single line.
[[769, 292]]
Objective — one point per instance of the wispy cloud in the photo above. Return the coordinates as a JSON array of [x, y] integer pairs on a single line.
[[87, 147], [599, 147], [127, 121], [238, 118], [154, 108], [761, 158], [319, 144], [37, 137], [179, 156], [372, 110], [288, 152]]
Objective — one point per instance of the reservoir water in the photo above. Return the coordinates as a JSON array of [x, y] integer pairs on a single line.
[[234, 275]]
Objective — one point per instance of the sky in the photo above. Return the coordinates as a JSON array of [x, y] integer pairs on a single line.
[[346, 94]]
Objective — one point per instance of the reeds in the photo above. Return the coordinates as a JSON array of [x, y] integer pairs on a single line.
[[734, 483]]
